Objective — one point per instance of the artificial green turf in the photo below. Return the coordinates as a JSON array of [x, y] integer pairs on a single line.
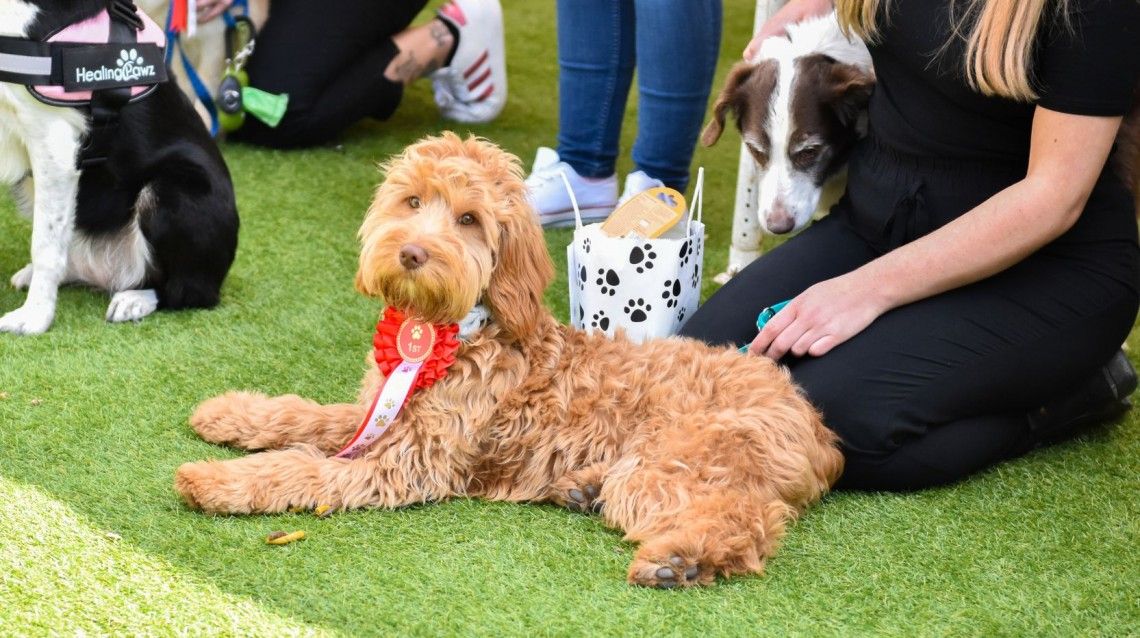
[[93, 423]]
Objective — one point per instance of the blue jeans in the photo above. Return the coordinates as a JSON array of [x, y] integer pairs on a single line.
[[674, 46]]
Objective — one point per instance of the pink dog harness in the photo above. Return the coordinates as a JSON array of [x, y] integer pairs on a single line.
[[118, 48], [100, 64]]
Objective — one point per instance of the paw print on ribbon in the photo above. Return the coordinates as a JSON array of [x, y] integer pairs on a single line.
[[672, 292], [608, 280], [417, 332], [642, 257], [637, 309], [600, 320]]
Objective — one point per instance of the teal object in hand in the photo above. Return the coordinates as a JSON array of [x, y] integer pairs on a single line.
[[764, 317]]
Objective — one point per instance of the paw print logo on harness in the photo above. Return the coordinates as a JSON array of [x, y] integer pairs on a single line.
[[129, 58]]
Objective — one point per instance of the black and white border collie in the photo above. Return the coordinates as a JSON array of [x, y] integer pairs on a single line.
[[800, 104], [155, 225]]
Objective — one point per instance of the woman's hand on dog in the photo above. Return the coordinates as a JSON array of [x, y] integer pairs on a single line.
[[820, 318], [775, 25]]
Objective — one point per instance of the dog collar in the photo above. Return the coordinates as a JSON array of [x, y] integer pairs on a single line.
[[411, 354], [118, 48]]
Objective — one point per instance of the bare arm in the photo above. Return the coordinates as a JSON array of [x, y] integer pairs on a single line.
[[1066, 156], [210, 9]]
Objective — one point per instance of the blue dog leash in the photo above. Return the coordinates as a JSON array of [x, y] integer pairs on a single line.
[[764, 317]]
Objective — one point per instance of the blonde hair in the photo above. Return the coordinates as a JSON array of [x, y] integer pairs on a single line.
[[999, 44]]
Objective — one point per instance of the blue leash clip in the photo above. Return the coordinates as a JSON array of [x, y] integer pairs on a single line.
[[764, 317]]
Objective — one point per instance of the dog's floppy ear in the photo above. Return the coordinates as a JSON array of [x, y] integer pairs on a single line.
[[522, 271], [748, 85], [729, 98], [849, 89]]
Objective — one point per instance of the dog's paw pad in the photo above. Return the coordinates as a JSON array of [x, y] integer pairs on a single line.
[[677, 572], [131, 305], [23, 278], [584, 499]]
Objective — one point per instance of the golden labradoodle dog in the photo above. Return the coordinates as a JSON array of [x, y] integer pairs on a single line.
[[699, 454]]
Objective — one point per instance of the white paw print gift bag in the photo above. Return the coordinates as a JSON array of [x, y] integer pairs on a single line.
[[646, 287]]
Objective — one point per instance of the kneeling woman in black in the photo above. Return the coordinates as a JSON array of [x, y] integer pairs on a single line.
[[984, 258]]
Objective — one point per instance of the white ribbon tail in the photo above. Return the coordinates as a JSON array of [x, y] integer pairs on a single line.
[[385, 408]]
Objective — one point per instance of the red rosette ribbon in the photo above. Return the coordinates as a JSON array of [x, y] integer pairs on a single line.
[[388, 355]]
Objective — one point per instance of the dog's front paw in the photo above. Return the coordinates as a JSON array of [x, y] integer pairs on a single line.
[[677, 571], [584, 499], [28, 320], [226, 419], [207, 486], [131, 305], [23, 278]]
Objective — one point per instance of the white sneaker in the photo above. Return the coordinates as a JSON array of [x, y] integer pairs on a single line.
[[637, 182], [596, 198], [473, 88]]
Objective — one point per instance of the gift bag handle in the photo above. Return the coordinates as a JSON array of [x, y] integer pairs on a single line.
[[698, 203], [573, 200]]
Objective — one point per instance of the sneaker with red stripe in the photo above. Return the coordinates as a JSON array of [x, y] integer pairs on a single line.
[[473, 88]]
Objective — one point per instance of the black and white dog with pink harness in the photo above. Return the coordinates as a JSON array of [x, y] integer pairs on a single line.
[[126, 189]]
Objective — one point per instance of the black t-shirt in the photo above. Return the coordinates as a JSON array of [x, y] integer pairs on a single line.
[[923, 105]]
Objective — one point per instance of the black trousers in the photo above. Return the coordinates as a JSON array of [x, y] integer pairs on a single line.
[[935, 390], [330, 58]]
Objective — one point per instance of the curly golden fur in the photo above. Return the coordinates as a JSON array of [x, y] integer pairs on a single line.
[[697, 453]]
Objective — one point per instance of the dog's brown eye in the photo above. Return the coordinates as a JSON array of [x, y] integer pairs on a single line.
[[414, 202], [806, 156], [760, 157], [467, 219]]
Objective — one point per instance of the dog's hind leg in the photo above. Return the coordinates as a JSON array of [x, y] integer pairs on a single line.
[[192, 229], [721, 531], [711, 493], [253, 421]]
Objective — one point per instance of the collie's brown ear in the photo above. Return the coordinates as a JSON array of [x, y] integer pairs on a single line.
[[727, 100], [522, 272], [849, 90], [747, 84]]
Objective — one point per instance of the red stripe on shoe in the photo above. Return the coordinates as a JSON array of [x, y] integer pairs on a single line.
[[486, 94], [453, 11], [475, 67], [479, 80]]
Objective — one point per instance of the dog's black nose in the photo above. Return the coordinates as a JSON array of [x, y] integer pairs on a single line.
[[412, 256]]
